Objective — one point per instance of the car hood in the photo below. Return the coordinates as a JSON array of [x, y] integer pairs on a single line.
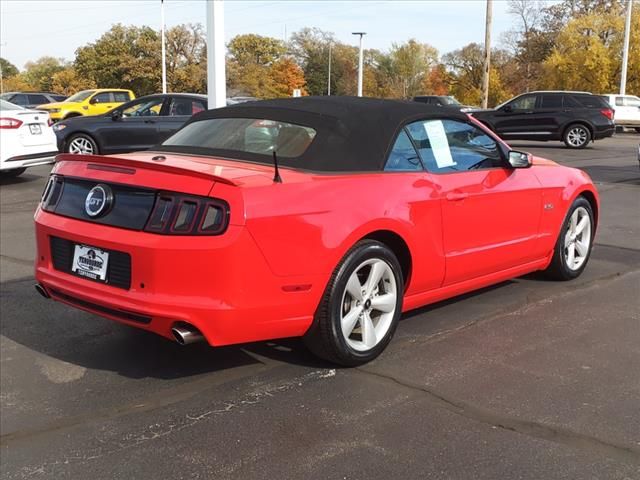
[[50, 106]]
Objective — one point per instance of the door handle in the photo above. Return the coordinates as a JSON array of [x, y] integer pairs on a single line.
[[149, 121], [456, 196]]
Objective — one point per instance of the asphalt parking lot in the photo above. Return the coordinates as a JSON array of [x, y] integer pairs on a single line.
[[529, 379]]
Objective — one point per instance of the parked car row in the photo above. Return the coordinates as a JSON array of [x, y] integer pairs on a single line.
[[576, 118]]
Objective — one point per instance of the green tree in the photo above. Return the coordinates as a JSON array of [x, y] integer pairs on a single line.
[[186, 59], [410, 64], [123, 57], [310, 49], [255, 49], [39, 74], [7, 68]]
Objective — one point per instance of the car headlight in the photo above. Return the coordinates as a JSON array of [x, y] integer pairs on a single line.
[[58, 127]]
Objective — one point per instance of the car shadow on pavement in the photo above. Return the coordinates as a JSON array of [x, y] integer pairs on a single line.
[[82, 339], [24, 178]]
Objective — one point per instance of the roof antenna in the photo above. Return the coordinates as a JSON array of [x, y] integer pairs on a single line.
[[276, 176]]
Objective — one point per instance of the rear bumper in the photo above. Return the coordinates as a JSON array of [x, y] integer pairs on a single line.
[[28, 160], [604, 132], [220, 285]]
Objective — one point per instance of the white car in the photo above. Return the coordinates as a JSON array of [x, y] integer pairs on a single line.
[[26, 139], [626, 108]]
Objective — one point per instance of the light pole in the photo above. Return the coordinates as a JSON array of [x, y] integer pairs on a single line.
[[361, 34], [487, 56], [164, 52], [625, 51], [329, 75], [216, 71]]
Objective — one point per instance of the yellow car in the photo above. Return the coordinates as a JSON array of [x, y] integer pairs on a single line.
[[88, 102]]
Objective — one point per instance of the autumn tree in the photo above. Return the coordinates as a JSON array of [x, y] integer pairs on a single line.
[[587, 55], [123, 57], [286, 75], [39, 73], [310, 49], [67, 82], [467, 65]]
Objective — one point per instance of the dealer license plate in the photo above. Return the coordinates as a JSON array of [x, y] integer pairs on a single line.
[[35, 129], [90, 262]]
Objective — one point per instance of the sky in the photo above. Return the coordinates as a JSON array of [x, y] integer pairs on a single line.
[[30, 29]]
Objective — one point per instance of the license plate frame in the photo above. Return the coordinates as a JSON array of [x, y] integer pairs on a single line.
[[35, 129], [90, 262]]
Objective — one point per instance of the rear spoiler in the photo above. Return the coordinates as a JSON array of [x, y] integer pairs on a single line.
[[131, 165]]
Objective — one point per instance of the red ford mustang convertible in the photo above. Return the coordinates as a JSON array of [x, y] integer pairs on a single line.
[[324, 218]]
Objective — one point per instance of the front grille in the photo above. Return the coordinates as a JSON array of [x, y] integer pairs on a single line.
[[118, 270], [122, 314]]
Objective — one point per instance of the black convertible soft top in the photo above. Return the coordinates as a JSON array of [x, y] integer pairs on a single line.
[[353, 134]]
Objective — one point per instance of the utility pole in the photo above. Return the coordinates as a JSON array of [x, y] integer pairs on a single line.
[[216, 69], [329, 75], [625, 49], [164, 52], [360, 62], [487, 55]]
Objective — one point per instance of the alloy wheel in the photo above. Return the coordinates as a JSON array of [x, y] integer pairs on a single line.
[[81, 145], [368, 304], [577, 239], [577, 136]]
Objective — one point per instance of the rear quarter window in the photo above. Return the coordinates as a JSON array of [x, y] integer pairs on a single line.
[[590, 101]]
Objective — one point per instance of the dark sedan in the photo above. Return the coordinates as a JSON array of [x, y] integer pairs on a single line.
[[136, 125]]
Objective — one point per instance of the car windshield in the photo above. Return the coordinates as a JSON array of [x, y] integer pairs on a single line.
[[247, 135], [450, 101], [4, 105], [80, 96]]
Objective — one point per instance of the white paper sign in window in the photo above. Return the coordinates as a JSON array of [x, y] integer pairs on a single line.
[[439, 143]]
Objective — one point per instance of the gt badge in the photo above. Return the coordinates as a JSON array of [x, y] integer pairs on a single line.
[[99, 201]]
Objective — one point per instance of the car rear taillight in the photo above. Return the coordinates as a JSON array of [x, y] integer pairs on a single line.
[[10, 122], [178, 214], [607, 112], [52, 193]]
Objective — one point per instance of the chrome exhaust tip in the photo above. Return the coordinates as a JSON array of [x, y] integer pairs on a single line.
[[185, 335], [41, 290]]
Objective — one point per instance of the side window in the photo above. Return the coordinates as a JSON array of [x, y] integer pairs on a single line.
[[120, 97], [619, 101], [570, 101], [447, 146], [551, 101], [631, 101], [19, 99], [37, 99], [403, 157], [526, 102], [185, 106], [144, 108], [104, 97]]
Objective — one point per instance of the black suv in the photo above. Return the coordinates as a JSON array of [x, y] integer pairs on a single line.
[[576, 118], [32, 99]]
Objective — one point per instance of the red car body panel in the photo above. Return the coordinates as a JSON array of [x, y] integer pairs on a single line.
[[264, 277]]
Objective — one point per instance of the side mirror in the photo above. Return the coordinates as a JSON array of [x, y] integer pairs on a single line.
[[116, 115], [507, 109], [519, 159], [94, 100]]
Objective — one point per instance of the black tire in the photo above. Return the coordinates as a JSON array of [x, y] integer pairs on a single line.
[[558, 269], [13, 173], [324, 338], [576, 136], [637, 129], [81, 137]]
